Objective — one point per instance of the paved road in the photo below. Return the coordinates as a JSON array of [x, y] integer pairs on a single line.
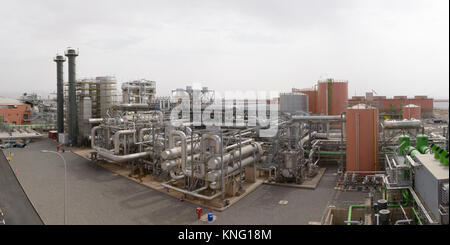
[[15, 208], [95, 195], [98, 196]]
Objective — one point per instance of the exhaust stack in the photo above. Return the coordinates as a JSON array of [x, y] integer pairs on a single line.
[[60, 59], [73, 127]]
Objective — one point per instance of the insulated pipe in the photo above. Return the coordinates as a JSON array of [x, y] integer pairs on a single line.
[[213, 176], [393, 124], [176, 152], [134, 107], [325, 135], [168, 165], [160, 116], [93, 131], [142, 133], [304, 140], [109, 155], [117, 138], [231, 147], [183, 145], [350, 208], [125, 158], [141, 136], [214, 163], [417, 216], [320, 118], [176, 177], [328, 153], [214, 138], [95, 120], [403, 221], [191, 193]]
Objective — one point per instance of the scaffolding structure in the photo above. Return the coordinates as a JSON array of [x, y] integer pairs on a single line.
[[138, 92], [94, 98]]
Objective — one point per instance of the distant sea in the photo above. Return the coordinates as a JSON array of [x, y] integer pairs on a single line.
[[440, 105]]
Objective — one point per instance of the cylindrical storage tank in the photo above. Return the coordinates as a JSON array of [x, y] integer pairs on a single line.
[[332, 97], [411, 111], [361, 127], [382, 204], [312, 98], [293, 102], [385, 216], [106, 91]]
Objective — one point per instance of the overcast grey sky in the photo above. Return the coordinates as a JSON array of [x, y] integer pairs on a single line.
[[396, 47]]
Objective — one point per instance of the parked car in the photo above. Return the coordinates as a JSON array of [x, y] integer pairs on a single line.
[[13, 144], [8, 144], [439, 121], [21, 144]]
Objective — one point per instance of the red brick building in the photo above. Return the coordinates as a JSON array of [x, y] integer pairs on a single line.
[[394, 106], [411, 112], [14, 112]]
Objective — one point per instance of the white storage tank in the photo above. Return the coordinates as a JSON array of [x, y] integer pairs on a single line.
[[294, 102]]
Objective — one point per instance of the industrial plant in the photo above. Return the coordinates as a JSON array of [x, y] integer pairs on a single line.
[[211, 152], [392, 154]]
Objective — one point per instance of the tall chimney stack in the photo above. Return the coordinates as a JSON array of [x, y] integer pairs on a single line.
[[73, 122], [60, 59]]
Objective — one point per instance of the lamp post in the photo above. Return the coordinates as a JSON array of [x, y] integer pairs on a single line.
[[65, 180]]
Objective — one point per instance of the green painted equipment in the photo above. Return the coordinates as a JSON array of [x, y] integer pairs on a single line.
[[422, 143], [412, 151], [442, 157], [403, 142], [437, 153], [434, 147], [446, 160]]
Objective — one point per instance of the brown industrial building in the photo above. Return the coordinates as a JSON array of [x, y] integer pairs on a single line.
[[411, 112], [14, 112], [392, 107]]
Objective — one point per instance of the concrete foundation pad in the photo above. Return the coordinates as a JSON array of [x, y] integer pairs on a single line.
[[307, 184], [155, 184]]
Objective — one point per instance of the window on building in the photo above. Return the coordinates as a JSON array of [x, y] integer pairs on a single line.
[[25, 116]]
